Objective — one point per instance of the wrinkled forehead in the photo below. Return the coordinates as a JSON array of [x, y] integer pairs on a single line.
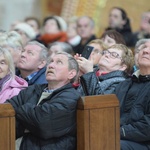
[[61, 57], [32, 47], [147, 44]]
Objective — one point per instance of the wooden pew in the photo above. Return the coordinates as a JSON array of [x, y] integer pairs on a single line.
[[98, 123], [7, 127]]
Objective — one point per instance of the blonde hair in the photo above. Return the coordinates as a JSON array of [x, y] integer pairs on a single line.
[[127, 56], [99, 42], [9, 60]]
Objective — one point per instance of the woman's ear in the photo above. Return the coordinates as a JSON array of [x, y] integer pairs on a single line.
[[123, 67]]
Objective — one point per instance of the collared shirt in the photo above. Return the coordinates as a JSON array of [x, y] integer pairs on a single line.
[[48, 91], [29, 77]]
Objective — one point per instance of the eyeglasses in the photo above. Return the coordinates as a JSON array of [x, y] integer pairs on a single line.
[[112, 54], [97, 51]]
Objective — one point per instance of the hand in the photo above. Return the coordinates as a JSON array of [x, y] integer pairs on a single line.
[[85, 65]]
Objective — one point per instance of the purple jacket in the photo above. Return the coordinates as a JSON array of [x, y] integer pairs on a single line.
[[11, 88]]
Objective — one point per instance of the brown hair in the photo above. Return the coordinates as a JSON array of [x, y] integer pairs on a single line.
[[127, 56], [114, 35]]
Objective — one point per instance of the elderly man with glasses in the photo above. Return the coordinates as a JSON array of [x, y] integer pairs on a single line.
[[114, 66]]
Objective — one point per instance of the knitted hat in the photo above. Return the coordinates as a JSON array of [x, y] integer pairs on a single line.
[[27, 29], [60, 22]]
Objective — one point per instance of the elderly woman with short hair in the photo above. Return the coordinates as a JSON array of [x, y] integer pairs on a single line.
[[114, 66], [10, 84]]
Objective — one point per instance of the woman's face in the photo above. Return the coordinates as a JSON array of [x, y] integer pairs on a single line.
[[112, 60], [96, 53], [108, 41], [4, 68], [51, 27]]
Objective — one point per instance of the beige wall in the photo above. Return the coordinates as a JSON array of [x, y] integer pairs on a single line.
[[99, 10], [12, 10], [134, 10]]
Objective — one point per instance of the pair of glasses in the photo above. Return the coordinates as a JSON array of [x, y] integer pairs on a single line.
[[97, 51], [112, 54]]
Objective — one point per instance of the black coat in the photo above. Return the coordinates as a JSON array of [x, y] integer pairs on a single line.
[[105, 84], [134, 97], [51, 124], [80, 47]]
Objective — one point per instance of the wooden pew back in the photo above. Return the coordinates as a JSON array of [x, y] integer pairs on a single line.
[[7, 127], [98, 123]]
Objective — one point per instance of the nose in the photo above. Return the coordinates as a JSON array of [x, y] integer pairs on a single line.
[[50, 65], [23, 54], [146, 50]]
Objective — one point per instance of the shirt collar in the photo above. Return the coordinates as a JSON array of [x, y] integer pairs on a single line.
[[48, 91], [29, 77]]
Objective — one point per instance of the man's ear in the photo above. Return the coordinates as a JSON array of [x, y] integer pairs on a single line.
[[42, 64], [72, 74]]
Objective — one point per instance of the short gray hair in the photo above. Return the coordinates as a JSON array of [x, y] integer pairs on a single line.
[[72, 64], [139, 43], [92, 23], [44, 51], [65, 47], [12, 39]]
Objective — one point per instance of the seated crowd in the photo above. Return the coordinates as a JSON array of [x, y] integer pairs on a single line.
[[45, 74]]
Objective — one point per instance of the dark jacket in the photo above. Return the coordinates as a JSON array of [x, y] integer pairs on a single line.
[[79, 48], [39, 78], [104, 84], [51, 124], [134, 97]]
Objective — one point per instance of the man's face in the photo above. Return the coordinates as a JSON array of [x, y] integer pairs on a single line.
[[115, 19], [144, 56], [110, 63], [30, 59], [84, 28], [145, 23], [58, 70]]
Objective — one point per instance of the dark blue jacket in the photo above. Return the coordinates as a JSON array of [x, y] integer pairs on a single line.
[[134, 97], [39, 78], [52, 123]]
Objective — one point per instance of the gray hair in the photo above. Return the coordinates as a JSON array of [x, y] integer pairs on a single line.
[[43, 53], [72, 64], [139, 43], [92, 23], [65, 47], [12, 39], [9, 60]]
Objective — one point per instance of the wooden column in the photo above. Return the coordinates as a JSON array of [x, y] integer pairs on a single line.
[[7, 127], [98, 125]]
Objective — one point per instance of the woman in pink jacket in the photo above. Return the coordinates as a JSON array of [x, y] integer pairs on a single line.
[[10, 84]]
